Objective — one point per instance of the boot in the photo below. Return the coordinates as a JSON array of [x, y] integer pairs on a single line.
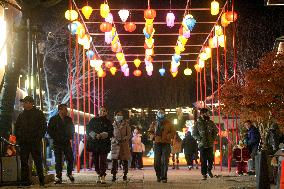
[[174, 166], [99, 179], [177, 166], [124, 177]]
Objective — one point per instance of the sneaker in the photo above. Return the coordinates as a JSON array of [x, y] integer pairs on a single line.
[[158, 179], [210, 174], [99, 179], [103, 180], [57, 180], [164, 181], [196, 167], [71, 178], [124, 178], [204, 177], [189, 167]]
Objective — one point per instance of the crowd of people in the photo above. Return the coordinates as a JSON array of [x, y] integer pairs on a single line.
[[123, 143]]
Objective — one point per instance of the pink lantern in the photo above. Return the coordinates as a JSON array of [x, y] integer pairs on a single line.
[[170, 19], [186, 34], [109, 18], [149, 73], [126, 72], [108, 37], [124, 67]]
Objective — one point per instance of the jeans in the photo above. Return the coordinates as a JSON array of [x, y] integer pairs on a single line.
[[115, 166], [137, 161], [189, 159], [100, 163], [175, 157], [207, 158], [67, 151], [161, 159]]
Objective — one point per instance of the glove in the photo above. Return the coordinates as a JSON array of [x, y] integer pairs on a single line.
[[92, 135], [104, 135]]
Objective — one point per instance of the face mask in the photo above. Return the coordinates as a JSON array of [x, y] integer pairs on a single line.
[[206, 117], [118, 118], [160, 115]]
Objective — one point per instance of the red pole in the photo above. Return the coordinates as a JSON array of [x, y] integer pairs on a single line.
[[89, 90], [98, 94], [94, 90], [229, 145], [204, 86], [200, 86], [197, 87], [212, 95], [102, 91], [84, 105], [219, 106], [78, 102]]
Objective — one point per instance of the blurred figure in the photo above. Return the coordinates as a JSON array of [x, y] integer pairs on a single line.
[[137, 150], [190, 148], [176, 149], [241, 155], [120, 149]]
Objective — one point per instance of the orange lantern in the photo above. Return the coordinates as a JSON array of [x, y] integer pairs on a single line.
[[149, 58], [101, 73], [197, 68], [108, 64], [231, 16], [116, 47], [105, 27], [129, 26], [137, 62], [149, 14], [146, 46], [112, 70], [137, 73], [87, 11], [149, 29], [224, 21], [180, 30]]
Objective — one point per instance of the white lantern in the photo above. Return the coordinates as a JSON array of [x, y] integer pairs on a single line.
[[123, 14]]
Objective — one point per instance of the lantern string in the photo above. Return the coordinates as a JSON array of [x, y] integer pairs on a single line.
[[148, 4], [204, 85], [170, 5], [84, 105]]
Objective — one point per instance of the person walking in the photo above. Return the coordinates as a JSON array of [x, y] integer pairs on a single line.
[[161, 132], [61, 130], [205, 132], [190, 148], [176, 149], [137, 150], [120, 149], [30, 128], [99, 132]]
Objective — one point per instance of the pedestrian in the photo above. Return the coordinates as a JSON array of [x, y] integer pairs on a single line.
[[205, 132], [190, 149], [161, 132], [253, 139], [30, 128], [137, 150], [61, 130], [241, 155], [176, 149], [99, 132], [120, 149]]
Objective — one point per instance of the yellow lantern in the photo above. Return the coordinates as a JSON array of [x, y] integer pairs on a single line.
[[208, 51], [203, 56], [201, 63], [221, 40], [87, 11], [180, 46], [71, 15], [115, 39], [104, 10], [119, 56], [177, 50], [149, 41], [122, 62], [174, 74], [224, 21], [213, 42], [149, 21], [101, 73], [197, 68], [113, 30], [182, 39], [214, 7], [80, 31], [218, 30], [187, 71], [112, 70], [137, 62]]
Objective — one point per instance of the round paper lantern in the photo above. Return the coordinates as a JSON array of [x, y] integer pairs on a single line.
[[162, 71], [149, 14], [170, 19], [214, 7], [126, 73], [80, 31], [108, 64], [197, 68], [112, 70], [231, 16], [221, 40], [201, 63], [213, 42], [90, 54], [137, 62], [116, 47], [224, 21], [129, 26], [119, 56], [109, 18], [203, 56], [123, 14], [101, 73], [187, 71], [218, 30], [104, 10], [174, 74], [105, 27], [137, 73], [208, 51], [73, 28], [71, 15], [87, 11]]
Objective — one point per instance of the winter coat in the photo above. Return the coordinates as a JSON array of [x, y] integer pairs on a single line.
[[205, 132], [189, 145], [253, 138], [241, 153], [120, 141], [167, 133], [30, 126], [137, 145], [176, 146], [98, 125], [61, 131]]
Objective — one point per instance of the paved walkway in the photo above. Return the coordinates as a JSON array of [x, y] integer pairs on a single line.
[[180, 179]]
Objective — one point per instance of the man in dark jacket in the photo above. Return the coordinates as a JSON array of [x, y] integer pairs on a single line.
[[253, 140], [61, 130], [30, 128], [190, 147], [99, 132], [205, 132]]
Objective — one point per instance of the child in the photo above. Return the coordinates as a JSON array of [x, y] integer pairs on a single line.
[[176, 149], [137, 150], [242, 155], [190, 147]]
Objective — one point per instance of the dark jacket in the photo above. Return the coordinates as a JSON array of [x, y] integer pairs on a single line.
[[205, 132], [99, 125], [30, 126], [189, 144], [167, 134], [61, 131], [253, 138]]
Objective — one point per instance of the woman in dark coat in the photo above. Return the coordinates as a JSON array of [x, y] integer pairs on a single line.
[[190, 147], [99, 132]]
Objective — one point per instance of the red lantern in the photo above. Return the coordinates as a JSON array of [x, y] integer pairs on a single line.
[[148, 47], [105, 27], [231, 17], [149, 58], [149, 29], [116, 47], [129, 26], [137, 73], [149, 14]]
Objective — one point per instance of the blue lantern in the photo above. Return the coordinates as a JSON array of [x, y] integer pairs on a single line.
[[90, 54], [189, 22], [72, 28], [162, 71], [176, 58]]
